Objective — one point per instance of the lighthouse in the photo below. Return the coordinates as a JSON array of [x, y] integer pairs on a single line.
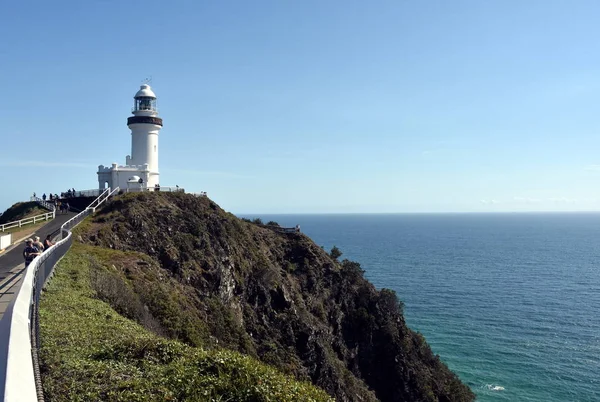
[[141, 167]]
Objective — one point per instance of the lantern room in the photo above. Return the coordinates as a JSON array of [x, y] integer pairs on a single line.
[[144, 100]]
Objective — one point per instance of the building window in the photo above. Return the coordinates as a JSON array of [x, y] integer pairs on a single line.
[[155, 148]]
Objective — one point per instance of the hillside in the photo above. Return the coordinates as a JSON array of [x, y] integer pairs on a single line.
[[185, 269], [90, 352], [21, 210]]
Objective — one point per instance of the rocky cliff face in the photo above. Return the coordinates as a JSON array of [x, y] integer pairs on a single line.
[[218, 281]]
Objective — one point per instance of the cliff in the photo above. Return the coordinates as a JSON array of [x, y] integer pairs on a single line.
[[189, 271]]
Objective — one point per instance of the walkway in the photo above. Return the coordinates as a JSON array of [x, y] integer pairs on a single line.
[[11, 261]]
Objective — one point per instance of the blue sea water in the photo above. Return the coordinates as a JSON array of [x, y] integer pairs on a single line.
[[511, 302]]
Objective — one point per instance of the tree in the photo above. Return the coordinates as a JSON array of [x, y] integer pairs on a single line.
[[335, 253]]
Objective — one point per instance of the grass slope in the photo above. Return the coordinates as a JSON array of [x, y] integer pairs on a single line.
[[90, 353]]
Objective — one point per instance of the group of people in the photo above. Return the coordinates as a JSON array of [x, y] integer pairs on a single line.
[[62, 206], [34, 247], [65, 194]]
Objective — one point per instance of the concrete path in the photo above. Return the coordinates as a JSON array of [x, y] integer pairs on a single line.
[[12, 266]]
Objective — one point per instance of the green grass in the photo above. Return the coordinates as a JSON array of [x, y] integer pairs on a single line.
[[29, 227], [90, 353]]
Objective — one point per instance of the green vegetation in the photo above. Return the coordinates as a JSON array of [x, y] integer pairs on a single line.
[[92, 352], [22, 210], [335, 253], [157, 266], [29, 228]]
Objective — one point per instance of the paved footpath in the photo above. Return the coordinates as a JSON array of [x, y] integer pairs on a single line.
[[12, 266]]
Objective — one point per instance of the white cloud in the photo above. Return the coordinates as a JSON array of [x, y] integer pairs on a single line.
[[490, 202], [526, 200], [562, 200]]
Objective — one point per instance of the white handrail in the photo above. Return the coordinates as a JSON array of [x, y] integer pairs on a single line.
[[17, 378], [49, 206], [101, 198], [168, 189], [27, 221]]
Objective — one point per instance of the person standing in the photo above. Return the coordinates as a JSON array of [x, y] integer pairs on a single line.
[[48, 242], [38, 244], [30, 252]]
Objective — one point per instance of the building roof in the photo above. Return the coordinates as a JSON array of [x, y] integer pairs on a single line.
[[145, 91]]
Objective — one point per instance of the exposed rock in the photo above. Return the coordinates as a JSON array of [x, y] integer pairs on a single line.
[[217, 280]]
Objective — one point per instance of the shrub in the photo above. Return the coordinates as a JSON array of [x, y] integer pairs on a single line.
[[335, 253], [352, 270]]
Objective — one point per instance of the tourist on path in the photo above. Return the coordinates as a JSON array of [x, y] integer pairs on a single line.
[[48, 242], [30, 252], [38, 244]]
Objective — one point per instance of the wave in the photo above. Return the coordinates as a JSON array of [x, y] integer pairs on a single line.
[[492, 387]]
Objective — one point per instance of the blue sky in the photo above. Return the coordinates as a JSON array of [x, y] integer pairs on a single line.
[[312, 106]]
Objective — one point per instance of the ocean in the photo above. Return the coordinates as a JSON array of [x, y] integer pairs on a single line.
[[511, 302]]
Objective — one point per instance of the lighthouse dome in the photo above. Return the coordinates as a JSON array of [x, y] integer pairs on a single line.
[[145, 92]]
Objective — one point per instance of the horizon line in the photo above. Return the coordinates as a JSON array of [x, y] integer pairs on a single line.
[[423, 213]]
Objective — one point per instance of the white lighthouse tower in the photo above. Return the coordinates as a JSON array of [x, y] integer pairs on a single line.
[[141, 168]]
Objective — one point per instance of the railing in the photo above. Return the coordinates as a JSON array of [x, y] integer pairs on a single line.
[[19, 335], [115, 191], [168, 189], [102, 197], [49, 206], [145, 120], [28, 221], [88, 193], [70, 194], [65, 229], [295, 229]]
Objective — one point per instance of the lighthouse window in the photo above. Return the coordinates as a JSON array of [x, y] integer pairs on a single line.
[[145, 104], [155, 148]]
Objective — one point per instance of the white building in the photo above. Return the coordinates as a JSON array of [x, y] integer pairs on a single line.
[[141, 168]]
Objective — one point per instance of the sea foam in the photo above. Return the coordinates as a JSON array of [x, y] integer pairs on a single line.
[[493, 387]]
